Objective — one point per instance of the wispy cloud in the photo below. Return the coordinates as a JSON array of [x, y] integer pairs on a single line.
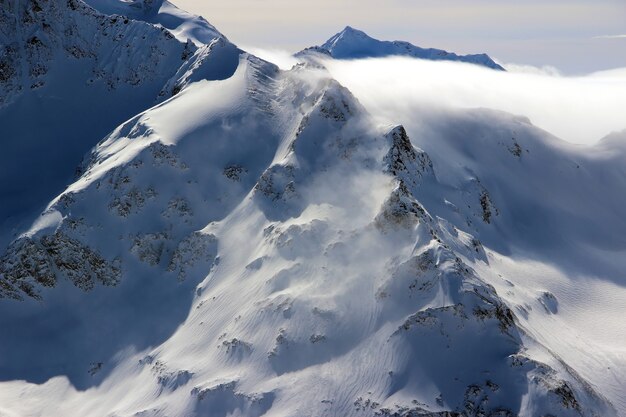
[[610, 37], [577, 109], [285, 60]]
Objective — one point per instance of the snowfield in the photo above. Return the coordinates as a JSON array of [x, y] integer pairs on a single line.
[[249, 241]]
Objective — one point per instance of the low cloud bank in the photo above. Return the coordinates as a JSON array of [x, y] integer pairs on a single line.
[[577, 109], [580, 109]]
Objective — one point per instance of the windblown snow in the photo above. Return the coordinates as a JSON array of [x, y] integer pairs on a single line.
[[241, 240]]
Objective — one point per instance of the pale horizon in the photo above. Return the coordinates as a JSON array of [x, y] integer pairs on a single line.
[[576, 37]]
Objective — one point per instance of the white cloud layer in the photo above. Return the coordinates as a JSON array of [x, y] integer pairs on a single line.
[[581, 109], [577, 109], [611, 37], [282, 58]]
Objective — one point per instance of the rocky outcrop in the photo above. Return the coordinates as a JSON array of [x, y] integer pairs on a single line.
[[33, 262]]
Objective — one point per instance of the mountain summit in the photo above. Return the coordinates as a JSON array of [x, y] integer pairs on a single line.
[[352, 43]]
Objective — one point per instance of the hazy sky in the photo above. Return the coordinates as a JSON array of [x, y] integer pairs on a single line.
[[576, 36]]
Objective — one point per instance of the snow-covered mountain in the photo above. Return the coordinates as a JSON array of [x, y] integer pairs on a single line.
[[68, 76], [352, 43], [256, 243], [185, 26]]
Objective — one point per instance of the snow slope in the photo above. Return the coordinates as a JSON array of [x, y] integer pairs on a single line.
[[322, 266], [564, 228], [63, 65], [180, 23], [352, 43], [258, 243]]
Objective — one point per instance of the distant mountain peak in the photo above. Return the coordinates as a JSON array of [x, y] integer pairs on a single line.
[[347, 34], [350, 30], [352, 43]]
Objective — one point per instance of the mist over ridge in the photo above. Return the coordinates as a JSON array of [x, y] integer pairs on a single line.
[[578, 109]]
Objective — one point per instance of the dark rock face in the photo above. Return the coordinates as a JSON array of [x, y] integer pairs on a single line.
[[30, 262], [403, 161]]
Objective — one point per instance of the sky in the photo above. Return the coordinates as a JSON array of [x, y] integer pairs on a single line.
[[574, 36]]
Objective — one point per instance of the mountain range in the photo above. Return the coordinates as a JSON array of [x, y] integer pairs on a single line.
[[189, 230], [352, 43]]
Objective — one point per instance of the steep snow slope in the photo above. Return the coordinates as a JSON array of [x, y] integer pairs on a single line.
[[351, 43], [555, 241], [556, 248], [68, 76], [113, 199], [180, 23], [257, 245]]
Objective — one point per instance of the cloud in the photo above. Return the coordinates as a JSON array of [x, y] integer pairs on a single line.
[[580, 109], [530, 69], [577, 109], [610, 37], [284, 60]]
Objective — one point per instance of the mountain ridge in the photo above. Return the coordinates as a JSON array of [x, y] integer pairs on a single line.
[[114, 67], [352, 43], [256, 243]]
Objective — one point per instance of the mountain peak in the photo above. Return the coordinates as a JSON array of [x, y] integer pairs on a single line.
[[352, 43], [351, 30], [347, 33]]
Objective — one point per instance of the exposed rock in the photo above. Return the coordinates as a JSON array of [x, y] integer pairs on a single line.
[[31, 262], [405, 162], [399, 211], [197, 249]]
